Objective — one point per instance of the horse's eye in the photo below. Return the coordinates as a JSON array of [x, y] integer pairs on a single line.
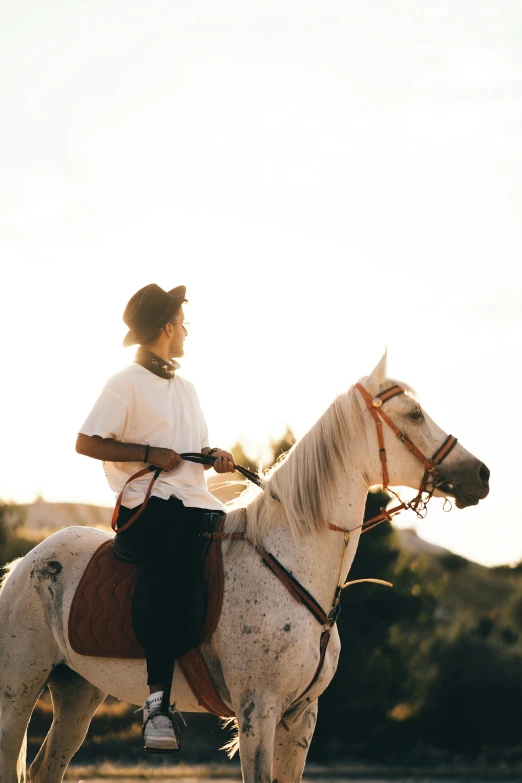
[[415, 414]]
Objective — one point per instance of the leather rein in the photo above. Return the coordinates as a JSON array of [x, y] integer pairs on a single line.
[[427, 486]]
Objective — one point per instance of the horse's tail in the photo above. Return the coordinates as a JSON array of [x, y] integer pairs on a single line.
[[21, 766], [232, 746]]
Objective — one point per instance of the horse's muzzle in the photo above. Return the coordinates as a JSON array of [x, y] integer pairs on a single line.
[[468, 485]]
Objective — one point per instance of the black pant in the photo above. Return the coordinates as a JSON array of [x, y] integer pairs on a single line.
[[167, 542]]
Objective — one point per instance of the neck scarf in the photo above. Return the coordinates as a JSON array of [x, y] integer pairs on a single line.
[[155, 364]]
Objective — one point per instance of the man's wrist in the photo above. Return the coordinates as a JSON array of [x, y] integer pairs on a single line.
[[211, 451]]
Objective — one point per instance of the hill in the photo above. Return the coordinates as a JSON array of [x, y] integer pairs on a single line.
[[468, 589], [41, 518]]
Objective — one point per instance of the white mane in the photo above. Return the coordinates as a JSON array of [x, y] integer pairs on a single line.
[[301, 488]]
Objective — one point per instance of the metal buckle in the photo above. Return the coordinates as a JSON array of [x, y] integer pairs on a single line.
[[334, 613]]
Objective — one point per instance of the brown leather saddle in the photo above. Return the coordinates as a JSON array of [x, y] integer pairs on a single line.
[[101, 616]]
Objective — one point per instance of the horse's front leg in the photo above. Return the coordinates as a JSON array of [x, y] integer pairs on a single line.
[[291, 746], [256, 723]]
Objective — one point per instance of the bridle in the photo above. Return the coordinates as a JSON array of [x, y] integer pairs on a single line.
[[432, 475]]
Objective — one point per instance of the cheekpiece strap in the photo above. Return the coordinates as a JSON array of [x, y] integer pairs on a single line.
[[374, 405]]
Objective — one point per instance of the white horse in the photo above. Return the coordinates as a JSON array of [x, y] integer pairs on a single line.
[[265, 650]]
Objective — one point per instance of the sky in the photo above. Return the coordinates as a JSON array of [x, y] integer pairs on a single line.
[[326, 178]]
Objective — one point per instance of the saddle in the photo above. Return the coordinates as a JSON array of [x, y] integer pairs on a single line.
[[104, 614]]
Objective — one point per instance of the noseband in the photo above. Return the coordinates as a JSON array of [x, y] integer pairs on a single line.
[[432, 474]]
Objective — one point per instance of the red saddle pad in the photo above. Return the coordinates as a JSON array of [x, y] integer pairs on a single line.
[[100, 620]]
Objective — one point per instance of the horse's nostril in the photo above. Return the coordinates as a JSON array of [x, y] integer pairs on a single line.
[[484, 475]]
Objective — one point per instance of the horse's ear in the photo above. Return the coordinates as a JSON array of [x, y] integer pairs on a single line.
[[379, 371]]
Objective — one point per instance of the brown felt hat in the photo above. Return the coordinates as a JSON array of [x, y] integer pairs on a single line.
[[149, 310]]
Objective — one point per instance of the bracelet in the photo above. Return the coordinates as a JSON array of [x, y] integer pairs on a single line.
[[146, 457], [209, 453]]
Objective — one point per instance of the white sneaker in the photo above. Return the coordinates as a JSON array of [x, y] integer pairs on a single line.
[[160, 733]]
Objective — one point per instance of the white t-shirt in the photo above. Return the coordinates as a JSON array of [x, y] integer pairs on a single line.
[[137, 406]]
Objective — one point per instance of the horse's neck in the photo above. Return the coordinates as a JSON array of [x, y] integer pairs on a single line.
[[322, 560]]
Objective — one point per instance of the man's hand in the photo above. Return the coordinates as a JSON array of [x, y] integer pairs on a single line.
[[224, 461], [166, 459]]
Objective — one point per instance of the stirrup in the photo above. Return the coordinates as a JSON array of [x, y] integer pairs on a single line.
[[174, 725]]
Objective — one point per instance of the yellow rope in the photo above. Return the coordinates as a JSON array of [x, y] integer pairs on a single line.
[[375, 581]]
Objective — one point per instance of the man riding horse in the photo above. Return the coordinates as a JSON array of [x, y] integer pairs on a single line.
[[147, 413]]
